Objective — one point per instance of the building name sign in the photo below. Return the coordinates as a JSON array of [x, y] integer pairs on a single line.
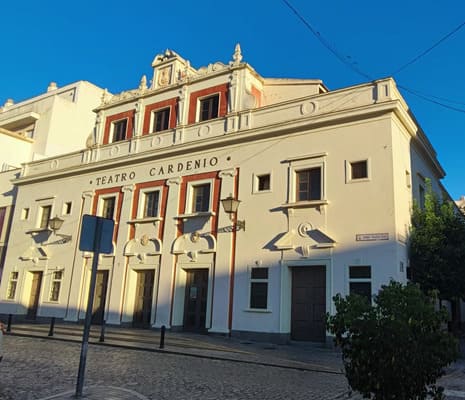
[[369, 237], [167, 169], [189, 165]]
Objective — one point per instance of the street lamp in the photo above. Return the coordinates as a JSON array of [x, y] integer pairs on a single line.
[[55, 225], [230, 206]]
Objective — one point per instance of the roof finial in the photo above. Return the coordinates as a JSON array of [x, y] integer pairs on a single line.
[[237, 56], [143, 83]]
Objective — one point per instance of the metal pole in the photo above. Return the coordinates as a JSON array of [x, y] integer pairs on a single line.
[[162, 337], [88, 320], [8, 327], [52, 327], [102, 332]]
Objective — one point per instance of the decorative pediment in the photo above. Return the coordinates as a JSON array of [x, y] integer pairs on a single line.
[[35, 253], [194, 243], [218, 66], [303, 240], [143, 246]]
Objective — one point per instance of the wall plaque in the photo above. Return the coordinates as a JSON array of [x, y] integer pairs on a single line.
[[369, 237]]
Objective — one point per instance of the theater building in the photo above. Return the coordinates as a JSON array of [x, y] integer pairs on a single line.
[[325, 179]]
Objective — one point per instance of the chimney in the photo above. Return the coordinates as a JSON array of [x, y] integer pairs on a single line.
[[8, 103], [52, 86]]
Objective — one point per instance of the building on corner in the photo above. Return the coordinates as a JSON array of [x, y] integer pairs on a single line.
[[326, 181]]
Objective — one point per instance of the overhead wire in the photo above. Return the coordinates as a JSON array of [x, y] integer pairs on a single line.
[[424, 53], [424, 97], [325, 42], [351, 65]]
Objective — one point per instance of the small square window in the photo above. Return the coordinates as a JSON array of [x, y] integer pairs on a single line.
[[161, 120], [308, 184], [119, 130], [45, 213], [360, 272], [360, 281], [200, 198], [25, 213], [150, 205], [362, 289], [263, 182], [56, 285], [67, 208], [422, 196], [359, 170], [12, 284], [108, 207], [209, 107], [259, 288]]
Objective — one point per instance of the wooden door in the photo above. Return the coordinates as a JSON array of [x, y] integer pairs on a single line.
[[35, 295], [143, 300], [100, 294], [308, 308], [195, 305]]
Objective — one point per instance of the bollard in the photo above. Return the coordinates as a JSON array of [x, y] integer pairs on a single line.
[[8, 327], [162, 336], [52, 327], [102, 332]]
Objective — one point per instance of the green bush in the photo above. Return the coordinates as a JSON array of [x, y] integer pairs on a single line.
[[396, 348]]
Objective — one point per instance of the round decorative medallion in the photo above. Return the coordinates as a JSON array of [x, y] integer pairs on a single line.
[[303, 228], [144, 240], [195, 237], [308, 108], [156, 141], [204, 130], [114, 150]]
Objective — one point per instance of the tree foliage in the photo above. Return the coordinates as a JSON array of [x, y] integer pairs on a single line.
[[437, 248], [395, 349]]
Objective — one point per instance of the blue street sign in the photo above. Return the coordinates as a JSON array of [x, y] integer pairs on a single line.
[[96, 234]]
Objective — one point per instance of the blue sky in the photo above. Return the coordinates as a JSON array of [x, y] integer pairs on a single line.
[[112, 44]]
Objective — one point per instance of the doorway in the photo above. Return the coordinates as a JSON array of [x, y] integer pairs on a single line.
[[143, 300], [308, 307], [195, 300], [35, 295], [100, 294]]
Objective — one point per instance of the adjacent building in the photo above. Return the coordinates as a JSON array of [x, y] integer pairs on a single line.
[[461, 204], [53, 123], [325, 179]]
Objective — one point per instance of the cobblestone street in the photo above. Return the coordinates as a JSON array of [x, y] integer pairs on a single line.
[[35, 368]]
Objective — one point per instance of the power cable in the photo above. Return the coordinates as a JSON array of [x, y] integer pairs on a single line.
[[424, 53], [365, 75], [415, 93], [325, 43]]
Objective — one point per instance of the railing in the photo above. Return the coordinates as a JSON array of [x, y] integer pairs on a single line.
[[236, 123]]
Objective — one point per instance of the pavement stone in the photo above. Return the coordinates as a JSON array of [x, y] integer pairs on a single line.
[[129, 365], [35, 368]]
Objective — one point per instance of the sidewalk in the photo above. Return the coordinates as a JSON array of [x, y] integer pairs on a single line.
[[307, 357], [297, 356]]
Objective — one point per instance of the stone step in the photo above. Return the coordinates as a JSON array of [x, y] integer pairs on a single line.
[[126, 337]]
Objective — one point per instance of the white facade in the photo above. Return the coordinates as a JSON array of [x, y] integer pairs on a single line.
[[326, 181], [55, 122]]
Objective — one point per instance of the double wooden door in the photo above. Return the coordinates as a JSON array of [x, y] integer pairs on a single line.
[[100, 294], [308, 309], [144, 298], [195, 304], [35, 295]]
